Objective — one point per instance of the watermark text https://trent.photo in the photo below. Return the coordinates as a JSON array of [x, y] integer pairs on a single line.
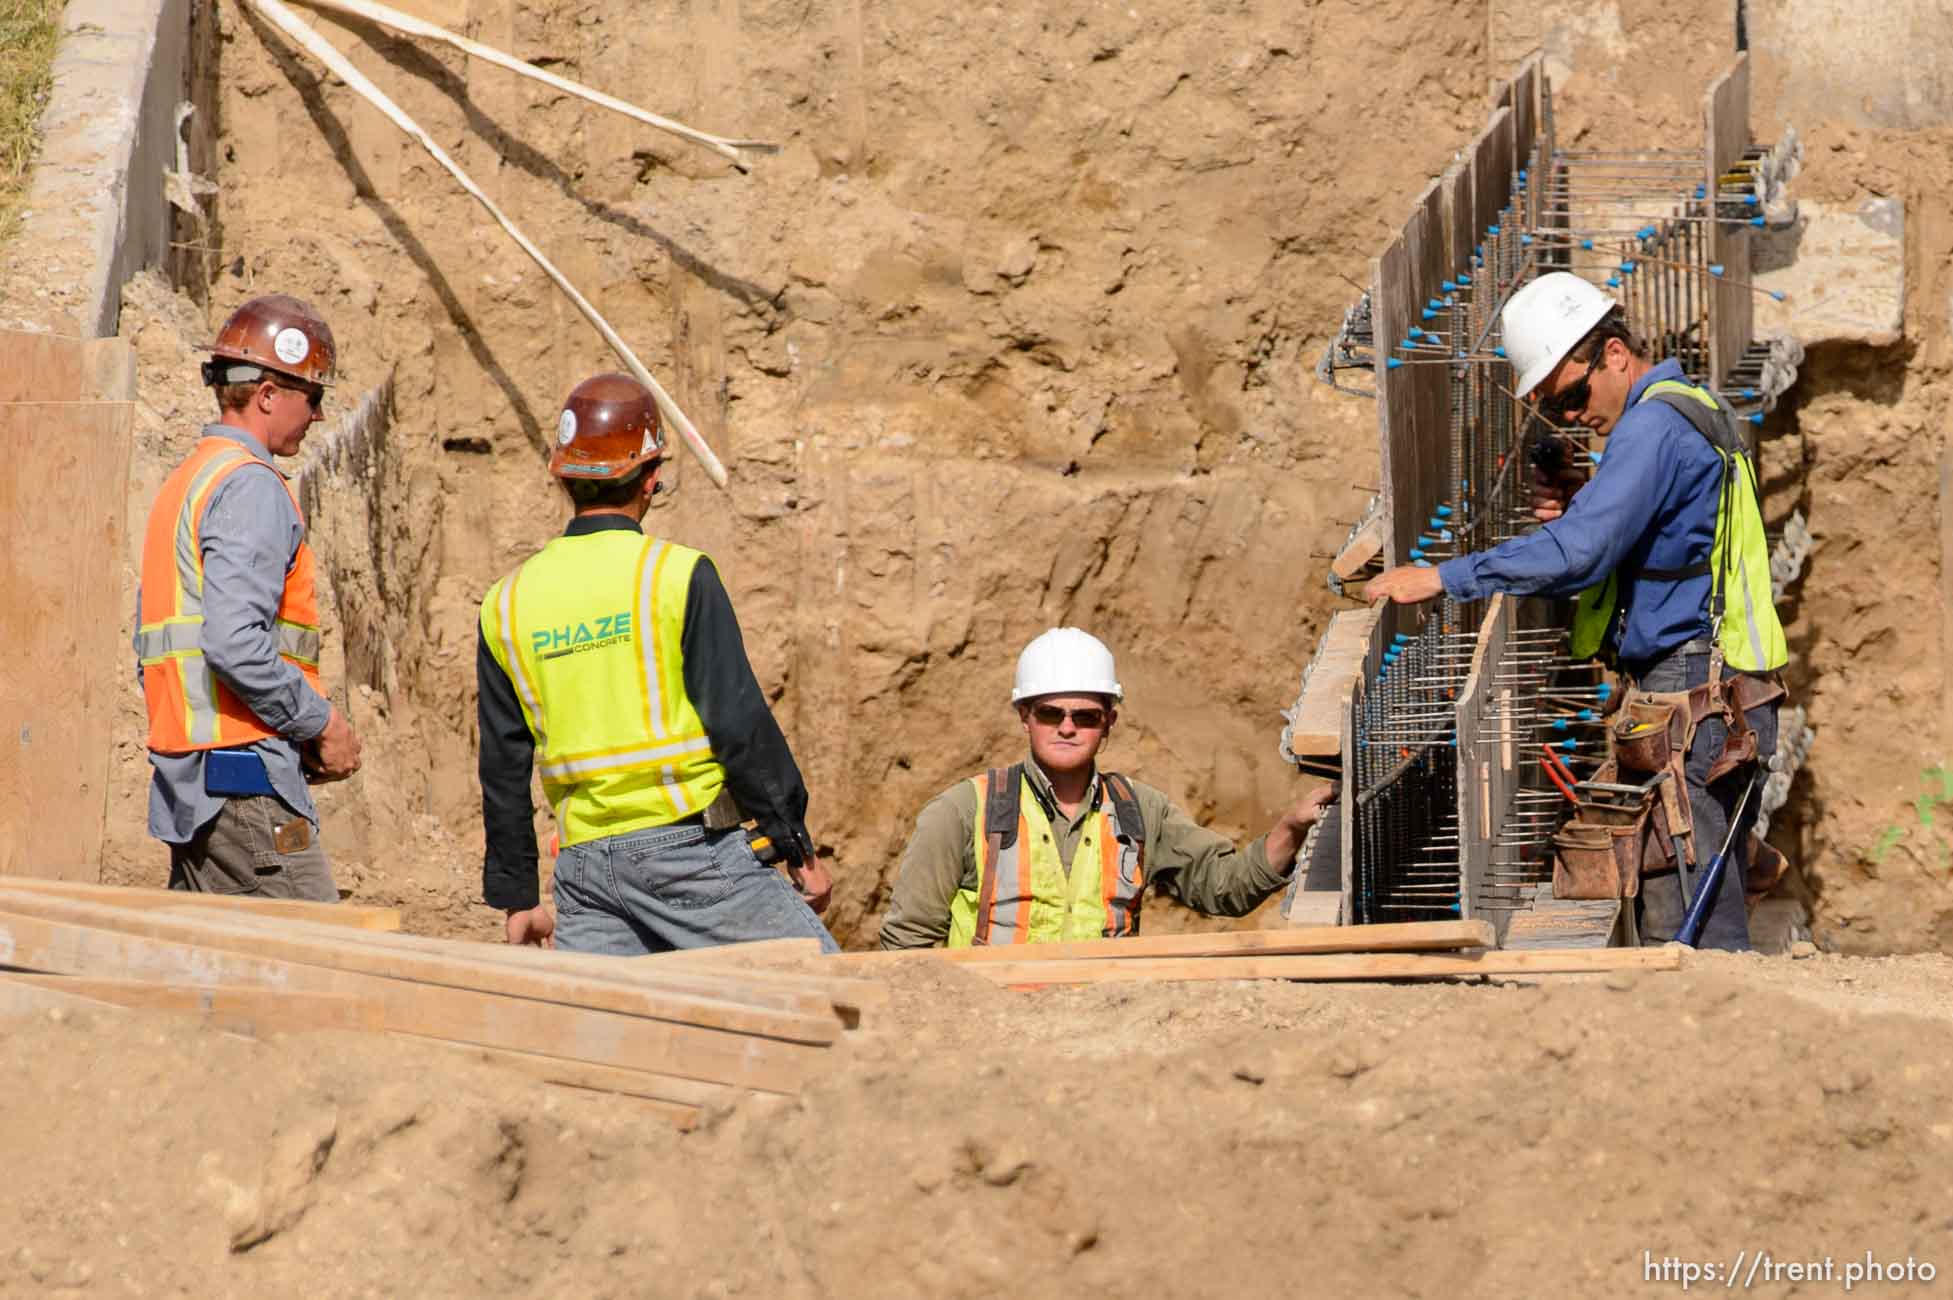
[[1751, 1267]]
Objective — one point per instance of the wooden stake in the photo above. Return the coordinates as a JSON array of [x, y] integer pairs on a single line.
[[341, 67], [734, 151]]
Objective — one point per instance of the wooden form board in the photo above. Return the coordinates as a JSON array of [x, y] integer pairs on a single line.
[[64, 411], [1726, 112], [1413, 401], [235, 1006], [1492, 167], [1316, 726], [1487, 775], [353, 915], [1345, 967], [617, 1024], [1423, 936], [1563, 922]]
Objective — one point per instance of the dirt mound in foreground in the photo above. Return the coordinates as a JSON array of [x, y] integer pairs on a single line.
[[1453, 1140]]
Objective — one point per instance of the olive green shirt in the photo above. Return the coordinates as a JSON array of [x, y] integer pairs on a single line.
[[1200, 868]]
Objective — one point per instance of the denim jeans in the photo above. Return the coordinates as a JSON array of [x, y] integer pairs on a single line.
[[1662, 910], [674, 887]]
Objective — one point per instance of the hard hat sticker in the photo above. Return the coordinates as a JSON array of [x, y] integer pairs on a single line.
[[565, 427], [291, 345]]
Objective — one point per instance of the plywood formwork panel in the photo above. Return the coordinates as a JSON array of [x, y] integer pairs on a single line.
[[61, 534]]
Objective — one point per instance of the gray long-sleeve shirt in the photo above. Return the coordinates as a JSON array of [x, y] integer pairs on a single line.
[[249, 538]]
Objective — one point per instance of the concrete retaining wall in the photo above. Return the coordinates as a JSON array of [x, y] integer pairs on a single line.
[[96, 210]]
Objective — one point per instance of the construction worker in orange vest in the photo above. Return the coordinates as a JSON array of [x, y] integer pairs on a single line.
[[1055, 850], [228, 626]]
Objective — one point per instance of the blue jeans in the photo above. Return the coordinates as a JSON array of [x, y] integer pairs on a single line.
[[1727, 926], [674, 887]]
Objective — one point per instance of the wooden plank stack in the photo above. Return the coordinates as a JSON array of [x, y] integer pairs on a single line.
[[1417, 950], [680, 1030]]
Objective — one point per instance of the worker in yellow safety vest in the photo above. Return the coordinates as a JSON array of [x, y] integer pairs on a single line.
[[228, 626], [611, 662], [1664, 549], [1053, 849]]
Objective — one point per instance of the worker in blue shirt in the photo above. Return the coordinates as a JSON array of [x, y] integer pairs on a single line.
[[1665, 549]]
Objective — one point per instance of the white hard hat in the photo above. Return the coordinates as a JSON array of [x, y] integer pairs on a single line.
[[1544, 320], [1065, 661]]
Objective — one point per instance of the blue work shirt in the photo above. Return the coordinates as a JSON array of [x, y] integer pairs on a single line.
[[1651, 504], [249, 537]]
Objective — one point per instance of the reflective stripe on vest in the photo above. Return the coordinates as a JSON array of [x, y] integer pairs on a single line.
[[590, 632], [1026, 894], [188, 707], [1740, 597]]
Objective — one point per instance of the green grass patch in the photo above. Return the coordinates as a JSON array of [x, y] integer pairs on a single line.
[[29, 31]]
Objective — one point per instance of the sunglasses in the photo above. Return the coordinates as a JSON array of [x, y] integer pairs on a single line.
[[1574, 396], [314, 397], [1050, 715]]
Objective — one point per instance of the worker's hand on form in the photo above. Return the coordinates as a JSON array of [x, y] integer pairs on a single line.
[[535, 927], [1284, 839], [334, 754], [1407, 584]]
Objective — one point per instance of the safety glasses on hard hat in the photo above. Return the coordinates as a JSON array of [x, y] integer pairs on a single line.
[[1050, 715], [1574, 397]]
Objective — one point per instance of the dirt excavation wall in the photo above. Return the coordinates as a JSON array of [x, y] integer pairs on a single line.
[[1018, 330]]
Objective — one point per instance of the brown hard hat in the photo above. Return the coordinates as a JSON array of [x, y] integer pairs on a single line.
[[609, 426], [276, 332]]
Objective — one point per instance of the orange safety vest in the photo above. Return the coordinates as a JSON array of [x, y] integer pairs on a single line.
[[189, 708]]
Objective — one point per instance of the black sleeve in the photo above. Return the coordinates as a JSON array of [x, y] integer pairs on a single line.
[[759, 767], [508, 865]]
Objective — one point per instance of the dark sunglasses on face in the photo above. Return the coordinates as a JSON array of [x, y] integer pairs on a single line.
[[1050, 715], [314, 397], [1574, 396]]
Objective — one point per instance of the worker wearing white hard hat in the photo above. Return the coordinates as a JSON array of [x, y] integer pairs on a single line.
[[1664, 548], [1051, 848]]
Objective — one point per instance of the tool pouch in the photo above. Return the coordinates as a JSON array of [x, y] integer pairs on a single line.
[[1607, 847]]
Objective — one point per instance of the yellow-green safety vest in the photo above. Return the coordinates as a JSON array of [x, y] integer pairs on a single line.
[[1025, 893], [1738, 566], [589, 630]]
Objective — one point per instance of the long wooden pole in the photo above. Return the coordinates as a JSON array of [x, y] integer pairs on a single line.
[[734, 151], [280, 16], [1353, 966]]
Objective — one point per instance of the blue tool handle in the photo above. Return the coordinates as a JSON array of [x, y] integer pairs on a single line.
[[1710, 882]]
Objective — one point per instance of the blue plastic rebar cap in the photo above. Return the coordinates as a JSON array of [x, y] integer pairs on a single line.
[[1491, 230], [1449, 286], [1499, 351], [1428, 314], [1587, 715], [1417, 552], [1422, 564], [1715, 268], [1561, 724], [1604, 690], [1400, 638], [1416, 332], [1750, 200], [1522, 173], [1525, 239], [1775, 294], [1595, 456], [1755, 419], [1393, 363], [1444, 512], [1756, 221], [1436, 304], [1613, 281], [1701, 190], [1463, 278], [1587, 244], [1568, 746], [1749, 392]]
